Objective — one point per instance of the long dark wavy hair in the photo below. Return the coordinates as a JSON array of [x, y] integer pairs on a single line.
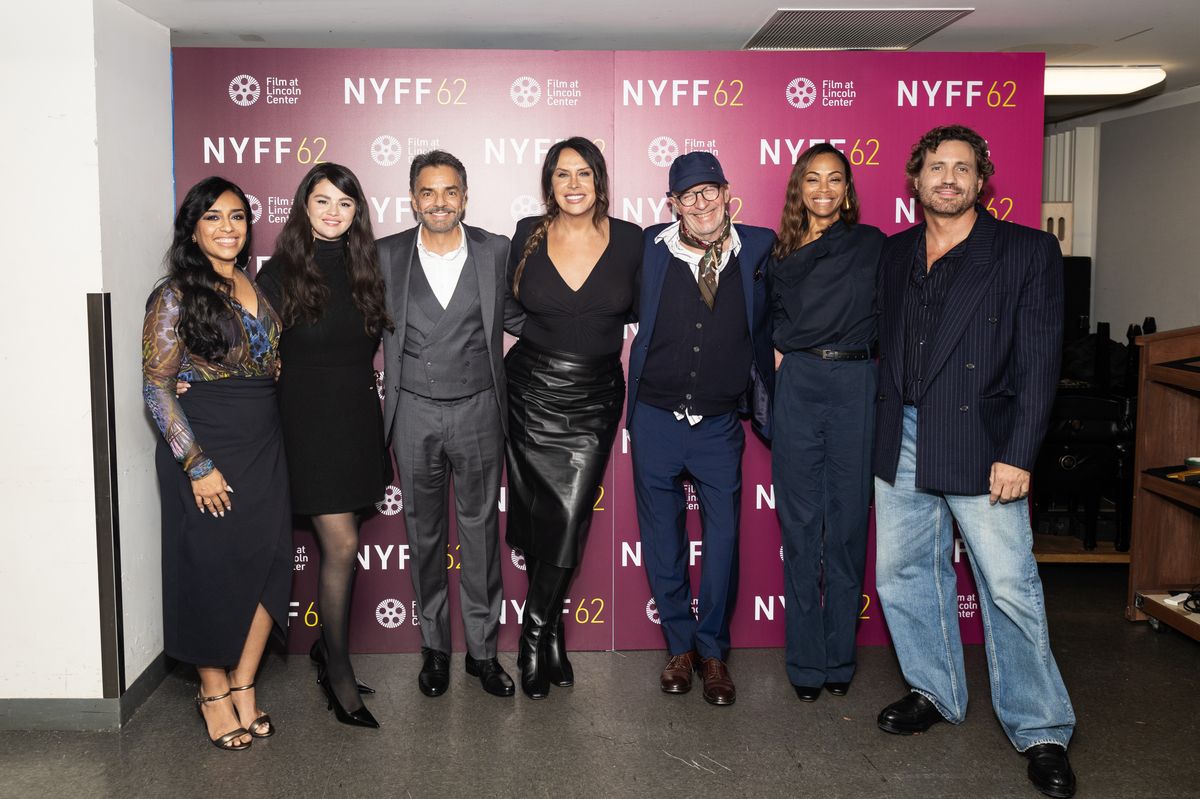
[[304, 293], [794, 222], [204, 309], [595, 160]]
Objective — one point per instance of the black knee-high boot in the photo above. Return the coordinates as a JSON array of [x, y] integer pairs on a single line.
[[558, 668], [531, 652]]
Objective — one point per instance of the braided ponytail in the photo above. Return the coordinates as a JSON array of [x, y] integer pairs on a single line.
[[536, 237]]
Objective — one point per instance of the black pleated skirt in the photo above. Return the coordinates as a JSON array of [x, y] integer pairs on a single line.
[[216, 571], [563, 412]]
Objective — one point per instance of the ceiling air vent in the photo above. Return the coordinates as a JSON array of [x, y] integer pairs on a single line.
[[852, 28]]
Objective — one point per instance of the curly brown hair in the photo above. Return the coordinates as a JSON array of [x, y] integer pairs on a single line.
[[939, 136]]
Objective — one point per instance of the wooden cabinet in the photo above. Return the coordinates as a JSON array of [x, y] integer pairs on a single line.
[[1165, 549]]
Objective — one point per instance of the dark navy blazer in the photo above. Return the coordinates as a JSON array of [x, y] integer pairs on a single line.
[[992, 367], [752, 257]]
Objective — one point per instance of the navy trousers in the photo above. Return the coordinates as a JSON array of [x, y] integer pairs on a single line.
[[666, 450], [824, 420]]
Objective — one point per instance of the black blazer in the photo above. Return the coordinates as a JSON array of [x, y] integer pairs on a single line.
[[993, 365]]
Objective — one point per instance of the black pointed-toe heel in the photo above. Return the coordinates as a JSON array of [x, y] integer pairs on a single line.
[[359, 718], [317, 655]]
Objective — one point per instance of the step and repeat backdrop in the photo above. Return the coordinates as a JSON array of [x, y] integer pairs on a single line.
[[262, 117]]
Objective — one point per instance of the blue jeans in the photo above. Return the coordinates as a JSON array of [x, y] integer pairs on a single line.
[[918, 592]]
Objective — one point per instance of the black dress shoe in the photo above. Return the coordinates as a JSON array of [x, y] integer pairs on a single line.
[[911, 715], [837, 688], [1050, 771], [492, 676], [434, 678], [806, 693]]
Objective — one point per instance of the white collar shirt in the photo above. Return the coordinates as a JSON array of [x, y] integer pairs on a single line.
[[670, 237], [443, 271]]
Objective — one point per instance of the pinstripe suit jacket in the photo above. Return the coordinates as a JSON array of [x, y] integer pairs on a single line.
[[993, 365]]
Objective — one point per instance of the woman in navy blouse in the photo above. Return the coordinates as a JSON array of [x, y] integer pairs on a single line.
[[822, 289]]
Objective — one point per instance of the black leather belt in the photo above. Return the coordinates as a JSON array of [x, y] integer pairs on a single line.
[[840, 355]]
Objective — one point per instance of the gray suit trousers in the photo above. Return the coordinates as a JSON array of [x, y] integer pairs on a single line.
[[434, 440]]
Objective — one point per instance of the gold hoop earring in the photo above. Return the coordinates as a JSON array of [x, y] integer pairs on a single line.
[[846, 203]]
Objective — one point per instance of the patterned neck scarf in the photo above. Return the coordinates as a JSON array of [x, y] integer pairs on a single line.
[[706, 279]]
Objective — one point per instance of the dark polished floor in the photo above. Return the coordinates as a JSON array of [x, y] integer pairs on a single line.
[[1136, 694]]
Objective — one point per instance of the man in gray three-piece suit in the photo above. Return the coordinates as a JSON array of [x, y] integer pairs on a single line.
[[446, 410]]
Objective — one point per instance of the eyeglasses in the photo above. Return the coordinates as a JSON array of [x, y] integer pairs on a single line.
[[688, 198]]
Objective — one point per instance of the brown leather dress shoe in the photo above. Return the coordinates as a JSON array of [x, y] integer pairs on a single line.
[[677, 674], [718, 685]]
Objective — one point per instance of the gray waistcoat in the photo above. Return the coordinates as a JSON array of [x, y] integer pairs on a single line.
[[445, 351]]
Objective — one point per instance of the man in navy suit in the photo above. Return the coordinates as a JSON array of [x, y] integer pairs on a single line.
[[970, 340], [702, 352]]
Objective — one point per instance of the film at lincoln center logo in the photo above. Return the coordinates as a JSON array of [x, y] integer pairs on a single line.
[[525, 92], [801, 93], [244, 90]]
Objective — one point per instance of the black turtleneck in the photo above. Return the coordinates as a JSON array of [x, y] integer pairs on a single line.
[[338, 338]]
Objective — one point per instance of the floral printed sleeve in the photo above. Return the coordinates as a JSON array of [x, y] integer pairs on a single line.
[[162, 360]]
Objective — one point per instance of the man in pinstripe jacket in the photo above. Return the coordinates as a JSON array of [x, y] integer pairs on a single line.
[[970, 337]]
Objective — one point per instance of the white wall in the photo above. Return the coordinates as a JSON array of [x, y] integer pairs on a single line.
[[1135, 209], [48, 584], [1148, 240], [89, 175], [133, 91]]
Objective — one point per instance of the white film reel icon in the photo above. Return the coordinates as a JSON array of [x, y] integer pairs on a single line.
[[386, 150], [652, 611], [525, 92], [255, 208], [392, 502], [244, 90], [662, 151], [518, 559], [524, 205], [801, 93], [390, 613]]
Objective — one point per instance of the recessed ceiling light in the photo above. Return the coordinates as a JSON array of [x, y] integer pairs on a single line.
[[1076, 81]]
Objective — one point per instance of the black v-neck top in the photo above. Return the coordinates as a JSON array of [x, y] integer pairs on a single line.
[[590, 321]]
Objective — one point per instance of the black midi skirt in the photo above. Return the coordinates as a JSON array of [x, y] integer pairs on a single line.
[[563, 412], [216, 571]]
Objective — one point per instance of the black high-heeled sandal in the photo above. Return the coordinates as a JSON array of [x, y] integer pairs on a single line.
[[229, 741], [359, 718], [317, 655], [264, 720]]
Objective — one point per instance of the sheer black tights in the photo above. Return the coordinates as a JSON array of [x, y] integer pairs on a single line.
[[337, 535]]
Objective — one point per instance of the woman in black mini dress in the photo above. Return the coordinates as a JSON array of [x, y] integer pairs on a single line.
[[325, 281], [574, 270]]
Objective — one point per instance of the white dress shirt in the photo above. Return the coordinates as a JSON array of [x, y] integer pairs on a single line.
[[670, 237], [443, 271]]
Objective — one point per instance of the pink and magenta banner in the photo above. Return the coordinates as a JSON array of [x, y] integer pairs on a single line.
[[262, 117]]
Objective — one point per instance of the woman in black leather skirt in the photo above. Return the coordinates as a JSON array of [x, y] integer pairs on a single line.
[[575, 271]]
